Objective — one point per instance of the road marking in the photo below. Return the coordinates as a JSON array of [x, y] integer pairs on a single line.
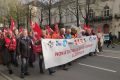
[[104, 69], [109, 57], [111, 51], [5, 76]]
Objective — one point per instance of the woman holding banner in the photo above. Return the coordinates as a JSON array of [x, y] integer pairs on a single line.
[[45, 35], [62, 36], [68, 36]]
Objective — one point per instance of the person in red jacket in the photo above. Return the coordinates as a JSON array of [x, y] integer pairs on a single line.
[[9, 50]]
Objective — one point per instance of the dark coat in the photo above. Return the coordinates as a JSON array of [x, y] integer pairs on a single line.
[[6, 55], [17, 46], [25, 46]]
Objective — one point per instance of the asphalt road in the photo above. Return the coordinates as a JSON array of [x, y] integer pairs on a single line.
[[104, 66]]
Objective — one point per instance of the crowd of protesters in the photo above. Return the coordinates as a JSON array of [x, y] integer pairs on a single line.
[[20, 45]]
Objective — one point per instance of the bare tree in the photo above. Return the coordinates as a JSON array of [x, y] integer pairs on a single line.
[[48, 4], [74, 7]]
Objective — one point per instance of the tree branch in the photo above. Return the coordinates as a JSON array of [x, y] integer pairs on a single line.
[[72, 12]]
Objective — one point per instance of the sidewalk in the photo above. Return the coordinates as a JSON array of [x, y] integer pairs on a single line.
[[2, 75], [1, 78]]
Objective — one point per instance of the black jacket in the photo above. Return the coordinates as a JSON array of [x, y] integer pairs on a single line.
[[25, 47]]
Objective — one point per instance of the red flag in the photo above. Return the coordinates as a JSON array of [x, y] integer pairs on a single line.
[[12, 26], [88, 26], [21, 29], [37, 31], [85, 27]]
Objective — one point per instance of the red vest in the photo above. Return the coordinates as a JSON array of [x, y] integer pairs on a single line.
[[10, 43], [37, 48]]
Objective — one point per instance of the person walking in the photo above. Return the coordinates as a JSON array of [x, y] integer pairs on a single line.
[[100, 40], [9, 50], [25, 46], [110, 41]]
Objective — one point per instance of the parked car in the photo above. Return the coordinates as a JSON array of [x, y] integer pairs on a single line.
[[106, 38]]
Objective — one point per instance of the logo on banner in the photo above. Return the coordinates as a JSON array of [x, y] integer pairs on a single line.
[[64, 43], [85, 40], [90, 39], [58, 43], [94, 38], [78, 41], [81, 40], [50, 43]]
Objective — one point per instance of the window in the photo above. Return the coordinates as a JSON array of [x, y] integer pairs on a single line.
[[106, 11]]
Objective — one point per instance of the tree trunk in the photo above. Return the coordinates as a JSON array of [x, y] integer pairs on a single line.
[[87, 12], [60, 13], [50, 12], [77, 6]]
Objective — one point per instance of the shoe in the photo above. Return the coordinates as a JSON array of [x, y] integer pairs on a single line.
[[70, 64], [51, 72], [66, 69], [26, 74], [16, 65], [41, 72], [22, 75], [31, 65], [10, 72]]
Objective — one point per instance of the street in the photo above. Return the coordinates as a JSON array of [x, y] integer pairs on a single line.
[[63, 35], [104, 66]]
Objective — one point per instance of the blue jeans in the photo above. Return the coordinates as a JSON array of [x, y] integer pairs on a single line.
[[24, 65]]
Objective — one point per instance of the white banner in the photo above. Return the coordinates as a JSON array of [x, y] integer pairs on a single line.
[[61, 51]]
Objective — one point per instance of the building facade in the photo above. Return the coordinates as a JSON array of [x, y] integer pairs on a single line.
[[104, 14]]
